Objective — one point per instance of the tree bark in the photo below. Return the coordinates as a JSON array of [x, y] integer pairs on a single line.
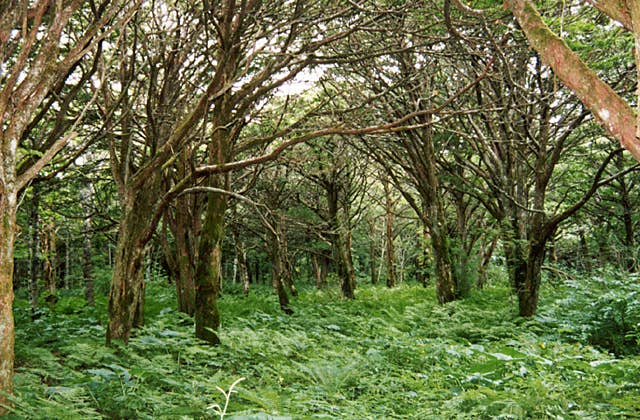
[[126, 298], [529, 290], [208, 267], [184, 234], [8, 206]]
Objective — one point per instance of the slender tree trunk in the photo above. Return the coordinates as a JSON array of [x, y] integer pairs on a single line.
[[435, 219], [627, 213], [241, 258], [87, 263], [345, 267], [278, 269], [373, 251], [390, 251], [340, 240], [48, 241], [34, 246], [287, 275], [68, 279], [486, 252], [316, 270], [424, 260], [446, 284]]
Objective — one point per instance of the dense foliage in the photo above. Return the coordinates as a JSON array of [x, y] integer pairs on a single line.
[[392, 353]]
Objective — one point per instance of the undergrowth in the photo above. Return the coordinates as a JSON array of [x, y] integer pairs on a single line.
[[388, 354]]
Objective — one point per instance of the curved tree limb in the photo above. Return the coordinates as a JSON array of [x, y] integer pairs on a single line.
[[611, 110]]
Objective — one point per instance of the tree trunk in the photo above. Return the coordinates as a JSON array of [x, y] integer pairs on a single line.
[[48, 240], [126, 298], [434, 219], [373, 251], [274, 244], [340, 240], [345, 267], [424, 260], [390, 251], [530, 287], [316, 270], [8, 206], [87, 263], [287, 276], [185, 256], [34, 246], [446, 285], [627, 212], [486, 252], [241, 258], [208, 268]]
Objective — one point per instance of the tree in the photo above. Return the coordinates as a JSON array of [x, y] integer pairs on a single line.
[[40, 52], [337, 180], [408, 81]]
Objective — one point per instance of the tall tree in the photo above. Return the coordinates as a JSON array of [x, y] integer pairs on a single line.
[[39, 51]]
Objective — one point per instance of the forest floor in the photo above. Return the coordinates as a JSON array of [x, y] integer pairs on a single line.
[[391, 353]]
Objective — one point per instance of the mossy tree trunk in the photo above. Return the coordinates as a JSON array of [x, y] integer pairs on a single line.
[[208, 267], [126, 298], [184, 222], [8, 206]]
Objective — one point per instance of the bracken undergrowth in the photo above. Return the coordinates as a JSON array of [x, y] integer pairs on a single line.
[[391, 353]]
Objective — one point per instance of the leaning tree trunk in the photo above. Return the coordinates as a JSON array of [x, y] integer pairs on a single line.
[[126, 298], [8, 205]]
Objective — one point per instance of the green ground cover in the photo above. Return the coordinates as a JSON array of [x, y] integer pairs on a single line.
[[389, 354]]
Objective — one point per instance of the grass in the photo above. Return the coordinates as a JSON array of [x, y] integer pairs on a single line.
[[389, 354]]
